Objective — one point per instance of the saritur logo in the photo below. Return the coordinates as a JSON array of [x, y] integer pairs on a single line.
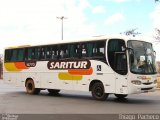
[[69, 64]]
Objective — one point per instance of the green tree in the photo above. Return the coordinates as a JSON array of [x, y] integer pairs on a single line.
[[131, 32], [157, 36], [158, 66]]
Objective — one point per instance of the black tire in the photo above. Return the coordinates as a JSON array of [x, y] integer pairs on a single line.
[[30, 87], [121, 96], [53, 91], [98, 92]]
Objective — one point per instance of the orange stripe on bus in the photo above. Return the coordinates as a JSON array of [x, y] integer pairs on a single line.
[[20, 65], [81, 71]]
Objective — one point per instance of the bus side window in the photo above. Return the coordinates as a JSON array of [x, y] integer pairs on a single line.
[[88, 49], [30, 54], [54, 52], [74, 51], [37, 53], [99, 49], [42, 53], [63, 51], [14, 55], [26, 54], [79, 51], [84, 49], [48, 52], [33, 54], [8, 55], [20, 55]]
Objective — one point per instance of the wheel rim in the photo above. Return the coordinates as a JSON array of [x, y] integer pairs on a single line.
[[30, 86], [98, 91]]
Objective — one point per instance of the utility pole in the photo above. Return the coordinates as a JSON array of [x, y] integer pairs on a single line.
[[62, 18]]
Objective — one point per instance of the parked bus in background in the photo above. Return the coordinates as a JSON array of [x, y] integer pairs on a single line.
[[102, 65]]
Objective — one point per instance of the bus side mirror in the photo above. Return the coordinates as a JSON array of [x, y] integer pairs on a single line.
[[154, 52]]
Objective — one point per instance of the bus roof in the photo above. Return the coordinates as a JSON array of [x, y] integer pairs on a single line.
[[94, 38]]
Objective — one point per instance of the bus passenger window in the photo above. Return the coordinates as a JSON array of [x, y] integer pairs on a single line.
[[48, 53], [84, 50], [74, 51], [99, 49], [94, 50], [8, 55], [20, 56], [63, 51], [54, 52], [42, 53], [14, 55]]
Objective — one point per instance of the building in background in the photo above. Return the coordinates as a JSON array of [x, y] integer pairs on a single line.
[[158, 71], [1, 66]]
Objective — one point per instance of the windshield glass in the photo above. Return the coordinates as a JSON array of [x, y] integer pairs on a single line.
[[142, 58]]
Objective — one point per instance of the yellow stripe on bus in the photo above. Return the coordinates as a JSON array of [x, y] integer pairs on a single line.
[[11, 67], [67, 76]]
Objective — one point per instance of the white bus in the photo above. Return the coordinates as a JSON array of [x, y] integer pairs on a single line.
[[102, 65]]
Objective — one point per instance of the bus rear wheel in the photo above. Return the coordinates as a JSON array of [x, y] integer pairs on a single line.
[[98, 92], [30, 87], [121, 96], [53, 91]]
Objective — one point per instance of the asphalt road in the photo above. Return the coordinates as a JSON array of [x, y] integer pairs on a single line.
[[16, 101]]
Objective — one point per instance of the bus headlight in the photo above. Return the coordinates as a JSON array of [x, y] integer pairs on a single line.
[[136, 82], [155, 81]]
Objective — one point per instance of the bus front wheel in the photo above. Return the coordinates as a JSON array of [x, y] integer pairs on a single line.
[[98, 92], [30, 87]]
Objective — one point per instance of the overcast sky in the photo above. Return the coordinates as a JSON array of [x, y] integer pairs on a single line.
[[24, 22]]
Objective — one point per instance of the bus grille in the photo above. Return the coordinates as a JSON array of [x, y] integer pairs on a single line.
[[146, 88], [147, 83]]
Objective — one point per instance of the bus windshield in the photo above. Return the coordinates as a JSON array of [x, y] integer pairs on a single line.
[[142, 57]]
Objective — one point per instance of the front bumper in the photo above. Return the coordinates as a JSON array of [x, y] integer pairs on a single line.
[[135, 89]]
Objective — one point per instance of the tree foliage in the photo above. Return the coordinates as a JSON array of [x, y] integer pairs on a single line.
[[131, 32], [158, 66], [157, 36], [157, 0]]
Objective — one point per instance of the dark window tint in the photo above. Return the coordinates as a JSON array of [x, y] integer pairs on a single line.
[[54, 52], [42, 51], [14, 55], [8, 55], [20, 55], [63, 51], [95, 50], [74, 50], [117, 56]]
